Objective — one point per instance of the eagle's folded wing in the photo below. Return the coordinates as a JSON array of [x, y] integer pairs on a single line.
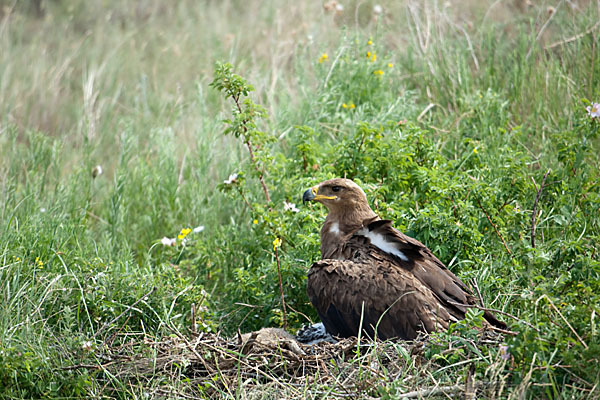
[[388, 300], [415, 257]]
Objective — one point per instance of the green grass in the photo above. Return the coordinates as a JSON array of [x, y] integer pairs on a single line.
[[476, 103]]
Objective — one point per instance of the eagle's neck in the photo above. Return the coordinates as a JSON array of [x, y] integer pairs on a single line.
[[340, 225]]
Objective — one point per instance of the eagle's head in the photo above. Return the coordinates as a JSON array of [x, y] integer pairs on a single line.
[[337, 194]]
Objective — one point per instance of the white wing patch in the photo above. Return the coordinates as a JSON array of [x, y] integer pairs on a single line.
[[335, 228], [379, 241]]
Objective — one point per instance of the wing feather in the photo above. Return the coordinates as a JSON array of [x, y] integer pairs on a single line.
[[427, 268], [396, 307]]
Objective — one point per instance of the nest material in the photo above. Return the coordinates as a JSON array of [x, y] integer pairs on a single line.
[[213, 366]]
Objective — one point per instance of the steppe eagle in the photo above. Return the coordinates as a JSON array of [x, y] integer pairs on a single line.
[[374, 276]]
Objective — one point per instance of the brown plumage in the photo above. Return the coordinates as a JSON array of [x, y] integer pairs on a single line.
[[374, 275]]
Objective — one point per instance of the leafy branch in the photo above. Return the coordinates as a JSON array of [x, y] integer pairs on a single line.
[[243, 122]]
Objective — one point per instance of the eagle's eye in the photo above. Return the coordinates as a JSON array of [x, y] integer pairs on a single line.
[[336, 188]]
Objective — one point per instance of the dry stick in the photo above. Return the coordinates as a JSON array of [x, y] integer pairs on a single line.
[[249, 145], [566, 322], [432, 391], [193, 318], [231, 354], [543, 28], [281, 288], [124, 311], [169, 393], [474, 283], [573, 38], [495, 228], [533, 212], [299, 312], [208, 368], [80, 366]]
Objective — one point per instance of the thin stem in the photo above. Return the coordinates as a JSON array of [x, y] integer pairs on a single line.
[[494, 226], [281, 288], [260, 172], [244, 198]]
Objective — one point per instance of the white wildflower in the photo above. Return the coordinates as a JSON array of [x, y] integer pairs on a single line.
[[339, 7], [168, 242], [594, 110], [289, 207], [377, 9], [199, 229], [87, 345], [232, 178]]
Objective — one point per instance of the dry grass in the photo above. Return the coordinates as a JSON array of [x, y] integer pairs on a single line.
[[267, 365], [79, 75]]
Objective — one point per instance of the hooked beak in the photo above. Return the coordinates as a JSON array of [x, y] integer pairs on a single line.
[[313, 194], [308, 195]]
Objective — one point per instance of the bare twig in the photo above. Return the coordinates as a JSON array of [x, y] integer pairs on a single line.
[[564, 319], [533, 212], [193, 318], [474, 283], [432, 391], [573, 38], [495, 228], [543, 28], [80, 366], [260, 173]]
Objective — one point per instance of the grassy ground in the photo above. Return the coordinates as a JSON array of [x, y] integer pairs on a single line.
[[464, 121]]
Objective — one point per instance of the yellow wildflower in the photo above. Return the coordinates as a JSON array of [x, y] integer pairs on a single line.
[[368, 54], [475, 150], [378, 72], [276, 243], [390, 65], [370, 42], [344, 105], [184, 232], [255, 222], [323, 57], [374, 58], [352, 105]]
